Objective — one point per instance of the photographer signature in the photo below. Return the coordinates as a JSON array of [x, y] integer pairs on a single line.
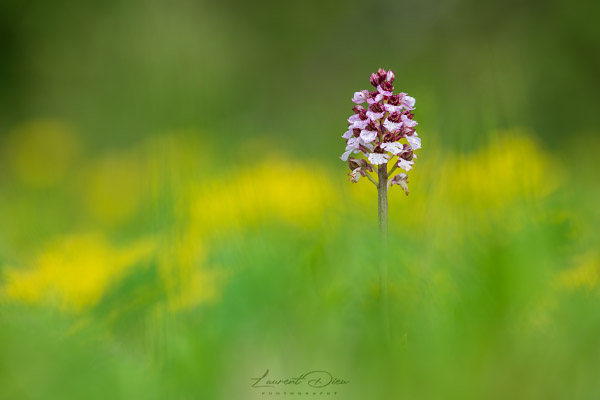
[[315, 379]]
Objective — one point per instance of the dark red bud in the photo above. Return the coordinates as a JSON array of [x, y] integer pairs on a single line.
[[365, 165], [390, 76], [371, 126], [408, 131], [358, 109], [356, 132], [394, 100], [376, 107], [387, 86], [375, 79], [382, 74], [407, 153], [389, 137], [394, 117]]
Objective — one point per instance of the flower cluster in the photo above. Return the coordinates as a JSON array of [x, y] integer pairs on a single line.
[[378, 130]]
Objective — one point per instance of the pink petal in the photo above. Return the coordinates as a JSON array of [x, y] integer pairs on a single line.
[[408, 122], [359, 97], [384, 92], [348, 134]]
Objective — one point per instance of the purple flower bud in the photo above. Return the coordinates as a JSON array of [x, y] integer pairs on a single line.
[[407, 131], [394, 117], [356, 132], [371, 126], [375, 79], [406, 153], [389, 137], [358, 109], [382, 74], [365, 165], [376, 108], [353, 163], [387, 86], [394, 100], [390, 76]]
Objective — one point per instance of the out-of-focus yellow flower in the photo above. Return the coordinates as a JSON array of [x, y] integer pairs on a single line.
[[201, 286], [585, 275], [495, 182], [73, 272], [40, 153], [271, 190], [512, 168]]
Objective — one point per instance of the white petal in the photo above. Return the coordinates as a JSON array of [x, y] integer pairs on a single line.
[[393, 147], [374, 116], [377, 158], [377, 98], [359, 124], [405, 165], [391, 108], [383, 92], [359, 97], [408, 122], [345, 156], [348, 134], [409, 101], [368, 136], [414, 141], [392, 126], [354, 143]]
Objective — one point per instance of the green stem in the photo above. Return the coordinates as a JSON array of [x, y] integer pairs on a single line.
[[382, 189], [382, 200], [371, 179]]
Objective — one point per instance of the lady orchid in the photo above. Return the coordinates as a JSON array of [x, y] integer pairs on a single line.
[[384, 132], [382, 129]]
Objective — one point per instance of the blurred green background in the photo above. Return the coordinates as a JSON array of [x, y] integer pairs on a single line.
[[175, 220]]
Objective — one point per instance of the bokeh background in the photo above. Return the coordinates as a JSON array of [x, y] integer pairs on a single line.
[[175, 220]]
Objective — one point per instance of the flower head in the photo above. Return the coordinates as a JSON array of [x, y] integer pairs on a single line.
[[383, 129]]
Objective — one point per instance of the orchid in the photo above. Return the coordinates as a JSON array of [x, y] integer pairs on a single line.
[[383, 130]]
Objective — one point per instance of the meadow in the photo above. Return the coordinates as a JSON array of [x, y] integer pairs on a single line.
[[175, 219]]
